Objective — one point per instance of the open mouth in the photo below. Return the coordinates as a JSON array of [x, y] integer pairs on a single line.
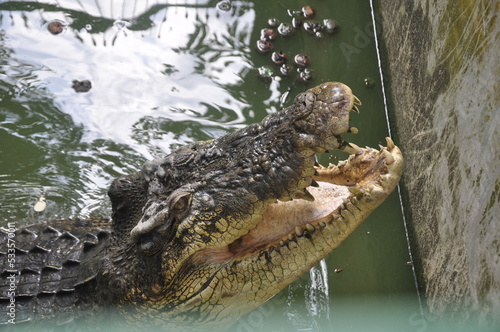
[[341, 197]]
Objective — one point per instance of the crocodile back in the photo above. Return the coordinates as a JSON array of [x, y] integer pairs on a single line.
[[42, 270]]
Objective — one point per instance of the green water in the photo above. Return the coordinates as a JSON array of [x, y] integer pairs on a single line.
[[169, 73]]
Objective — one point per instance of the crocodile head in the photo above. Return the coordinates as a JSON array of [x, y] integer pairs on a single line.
[[225, 224]]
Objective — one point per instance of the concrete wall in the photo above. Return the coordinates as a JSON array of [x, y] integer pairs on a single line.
[[442, 66]]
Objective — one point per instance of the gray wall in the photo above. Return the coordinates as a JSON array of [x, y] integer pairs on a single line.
[[442, 67]]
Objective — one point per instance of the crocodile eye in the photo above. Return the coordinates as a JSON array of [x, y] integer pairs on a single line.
[[181, 203]]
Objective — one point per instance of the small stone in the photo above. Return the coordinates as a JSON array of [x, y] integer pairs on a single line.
[[305, 75], [264, 46], [285, 29], [308, 12], [273, 22], [296, 23], [81, 86], [330, 25], [56, 27], [267, 34], [301, 60], [279, 58], [285, 69], [313, 26]]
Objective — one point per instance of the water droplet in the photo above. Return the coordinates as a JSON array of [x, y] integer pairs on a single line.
[[369, 82], [265, 72], [88, 27], [120, 24], [285, 29], [264, 46], [273, 22], [330, 25]]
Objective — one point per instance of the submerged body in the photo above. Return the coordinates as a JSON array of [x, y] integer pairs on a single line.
[[209, 232]]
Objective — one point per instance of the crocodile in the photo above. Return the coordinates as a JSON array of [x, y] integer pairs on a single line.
[[203, 235]]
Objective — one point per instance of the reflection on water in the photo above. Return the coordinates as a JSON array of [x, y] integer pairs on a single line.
[[168, 73]]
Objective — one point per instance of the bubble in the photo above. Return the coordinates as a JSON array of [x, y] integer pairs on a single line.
[[88, 27]]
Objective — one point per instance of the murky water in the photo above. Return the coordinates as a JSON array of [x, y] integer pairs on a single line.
[[167, 73]]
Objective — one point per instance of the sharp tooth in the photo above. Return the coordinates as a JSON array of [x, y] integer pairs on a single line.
[[314, 184], [390, 143], [322, 224], [389, 159], [310, 228], [355, 109], [341, 163], [357, 101], [307, 196], [355, 191], [282, 243], [350, 148], [353, 130], [290, 237], [298, 231]]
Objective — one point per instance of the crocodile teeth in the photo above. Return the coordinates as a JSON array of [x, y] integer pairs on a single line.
[[356, 191], [314, 183], [298, 231], [355, 109], [310, 228], [308, 196], [357, 101], [390, 143], [353, 130], [389, 159], [351, 148]]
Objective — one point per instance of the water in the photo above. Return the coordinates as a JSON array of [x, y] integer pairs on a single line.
[[165, 74]]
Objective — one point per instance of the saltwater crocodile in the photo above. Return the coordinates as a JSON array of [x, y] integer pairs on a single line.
[[210, 231]]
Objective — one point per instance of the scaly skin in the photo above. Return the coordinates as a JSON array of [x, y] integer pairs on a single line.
[[216, 228]]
